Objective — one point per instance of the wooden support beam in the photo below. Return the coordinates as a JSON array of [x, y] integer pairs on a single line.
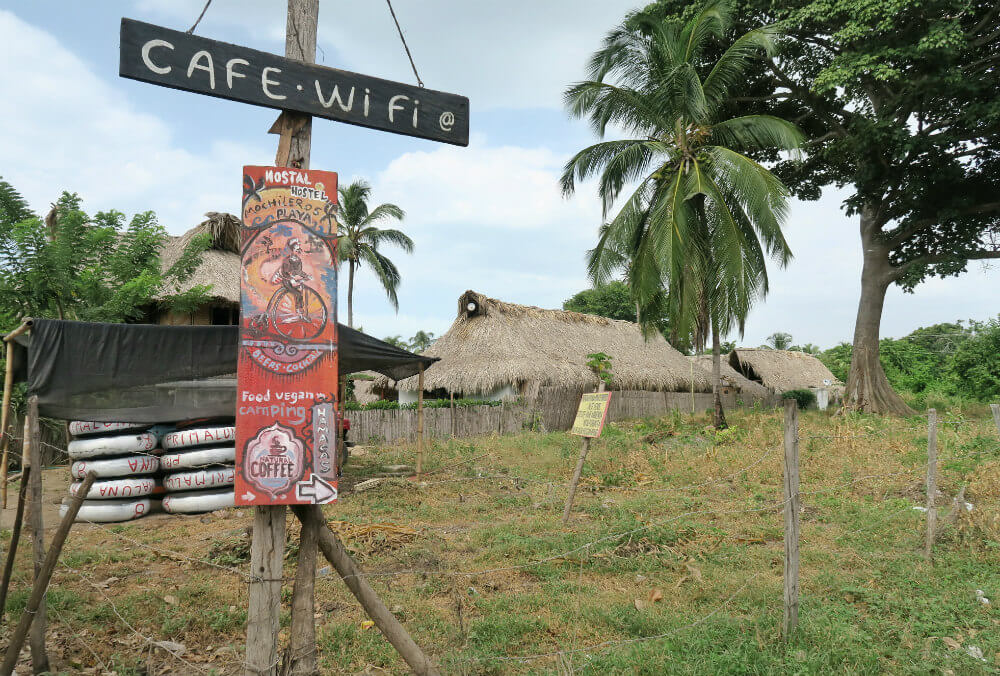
[[8, 385], [356, 581], [33, 457], [578, 472], [931, 482], [31, 615], [790, 620], [8, 567]]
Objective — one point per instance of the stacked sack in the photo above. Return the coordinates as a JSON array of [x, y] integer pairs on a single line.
[[121, 454], [200, 470]]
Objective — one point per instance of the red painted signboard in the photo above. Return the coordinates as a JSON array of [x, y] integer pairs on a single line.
[[287, 374]]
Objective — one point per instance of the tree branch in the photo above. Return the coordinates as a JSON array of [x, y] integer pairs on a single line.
[[906, 232], [930, 259], [806, 95]]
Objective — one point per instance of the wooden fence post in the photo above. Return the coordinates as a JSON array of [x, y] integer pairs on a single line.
[[8, 385], [355, 580], [451, 397], [584, 449], [36, 639], [931, 480], [8, 567], [267, 554], [995, 408], [31, 615], [791, 615], [420, 421]]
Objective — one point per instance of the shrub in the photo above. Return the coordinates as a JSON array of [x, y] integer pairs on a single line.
[[804, 398]]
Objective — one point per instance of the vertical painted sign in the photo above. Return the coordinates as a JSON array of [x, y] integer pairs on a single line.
[[287, 375]]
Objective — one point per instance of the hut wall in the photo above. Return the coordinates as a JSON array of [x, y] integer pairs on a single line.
[[555, 407]]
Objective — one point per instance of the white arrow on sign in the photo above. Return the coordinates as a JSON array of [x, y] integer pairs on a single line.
[[249, 497], [315, 491]]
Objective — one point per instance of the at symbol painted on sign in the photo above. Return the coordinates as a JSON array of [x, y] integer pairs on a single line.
[[447, 120]]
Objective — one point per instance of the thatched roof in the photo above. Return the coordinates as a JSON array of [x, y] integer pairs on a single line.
[[220, 263], [495, 344], [730, 376], [781, 370]]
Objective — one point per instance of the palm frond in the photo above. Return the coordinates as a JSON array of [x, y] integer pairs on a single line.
[[758, 132]]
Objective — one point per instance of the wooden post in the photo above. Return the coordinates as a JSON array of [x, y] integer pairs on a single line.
[[995, 408], [692, 386], [267, 547], [420, 421], [791, 597], [451, 396], [355, 580], [15, 537], [584, 449], [300, 659], [33, 457], [8, 384], [31, 615], [931, 481]]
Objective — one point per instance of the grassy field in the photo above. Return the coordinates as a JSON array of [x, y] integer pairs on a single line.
[[672, 562]]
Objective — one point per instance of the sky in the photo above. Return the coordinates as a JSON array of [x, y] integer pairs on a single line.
[[489, 217]]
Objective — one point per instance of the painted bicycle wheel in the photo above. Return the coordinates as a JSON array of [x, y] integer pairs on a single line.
[[95, 447], [298, 320], [199, 501]]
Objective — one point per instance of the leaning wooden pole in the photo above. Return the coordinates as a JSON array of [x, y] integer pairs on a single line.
[[31, 616], [578, 472], [356, 581], [8, 567], [8, 385], [33, 456]]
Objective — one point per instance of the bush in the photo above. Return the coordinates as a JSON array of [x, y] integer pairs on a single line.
[[804, 398]]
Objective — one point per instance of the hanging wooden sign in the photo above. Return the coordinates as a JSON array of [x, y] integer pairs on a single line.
[[287, 369], [183, 61]]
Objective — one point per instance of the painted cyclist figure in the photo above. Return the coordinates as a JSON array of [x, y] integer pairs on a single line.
[[292, 277]]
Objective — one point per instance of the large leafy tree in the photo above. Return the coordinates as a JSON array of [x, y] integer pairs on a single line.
[[702, 216], [901, 102], [359, 238], [73, 266]]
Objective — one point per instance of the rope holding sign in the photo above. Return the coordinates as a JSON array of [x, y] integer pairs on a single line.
[[405, 46], [198, 20]]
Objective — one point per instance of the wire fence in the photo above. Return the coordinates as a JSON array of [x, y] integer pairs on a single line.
[[577, 555]]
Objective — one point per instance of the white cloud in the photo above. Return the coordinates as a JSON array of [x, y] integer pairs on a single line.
[[71, 130]]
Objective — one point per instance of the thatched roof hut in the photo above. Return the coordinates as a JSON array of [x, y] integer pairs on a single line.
[[494, 345], [782, 370], [220, 263], [730, 376]]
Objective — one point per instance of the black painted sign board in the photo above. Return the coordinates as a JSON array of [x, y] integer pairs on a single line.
[[182, 61]]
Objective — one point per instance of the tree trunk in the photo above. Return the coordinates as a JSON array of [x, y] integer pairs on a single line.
[[350, 293], [868, 390], [720, 414]]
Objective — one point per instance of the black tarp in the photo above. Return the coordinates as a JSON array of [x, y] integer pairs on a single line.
[[151, 373]]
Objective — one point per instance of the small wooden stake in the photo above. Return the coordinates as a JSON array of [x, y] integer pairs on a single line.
[[420, 421], [15, 537], [355, 580], [584, 449], [931, 481], [995, 408], [31, 616], [791, 485]]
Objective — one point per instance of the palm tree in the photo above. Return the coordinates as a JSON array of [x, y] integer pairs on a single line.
[[779, 340], [702, 216], [359, 239]]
